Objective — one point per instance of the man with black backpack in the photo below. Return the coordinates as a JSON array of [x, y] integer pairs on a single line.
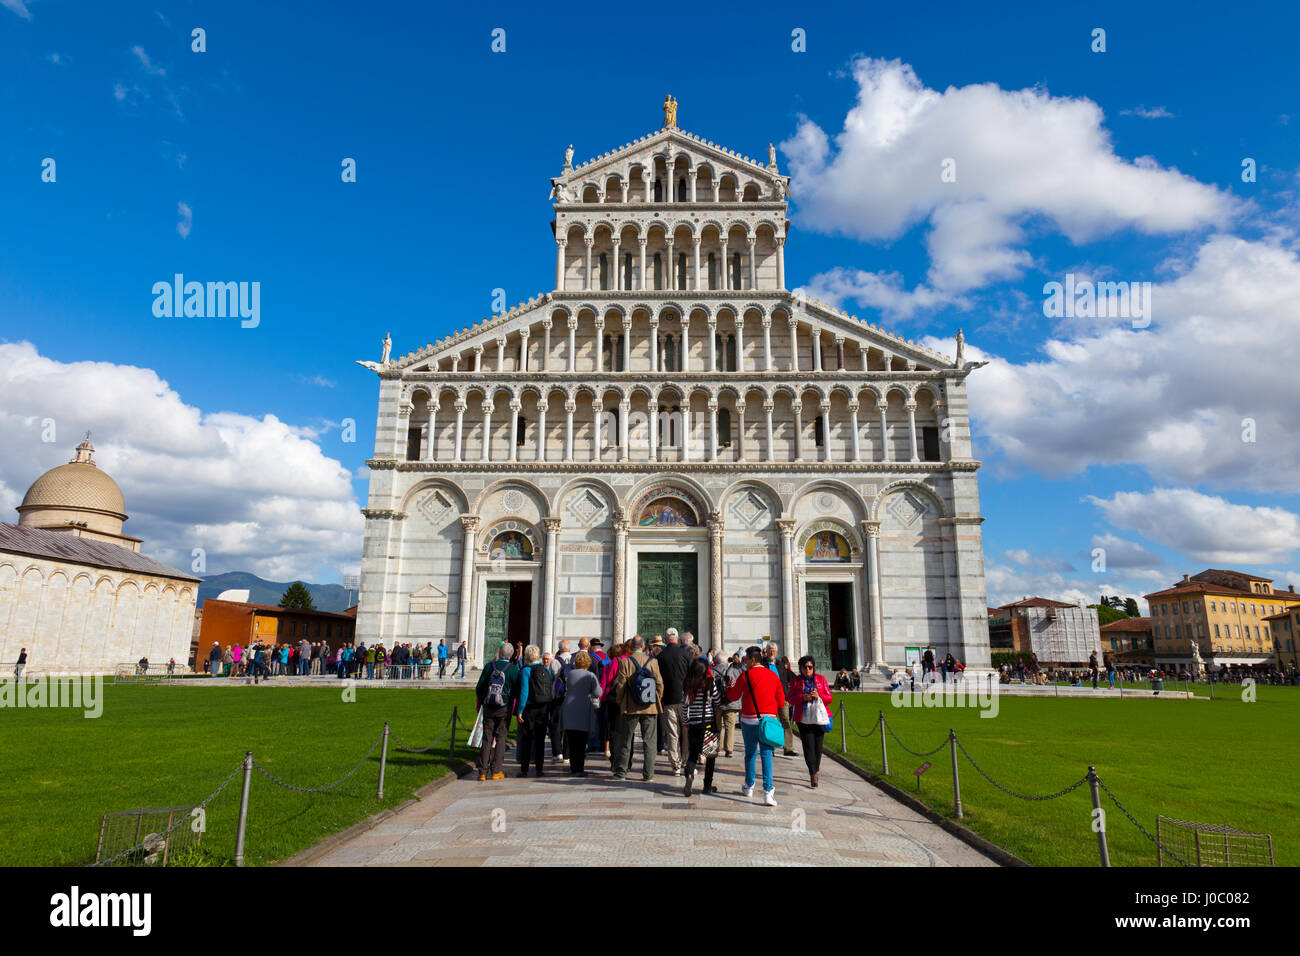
[[497, 686], [639, 689], [536, 694]]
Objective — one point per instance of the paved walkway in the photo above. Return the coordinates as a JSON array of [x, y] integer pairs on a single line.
[[596, 821]]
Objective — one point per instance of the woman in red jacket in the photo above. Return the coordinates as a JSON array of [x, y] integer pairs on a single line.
[[806, 688], [761, 695]]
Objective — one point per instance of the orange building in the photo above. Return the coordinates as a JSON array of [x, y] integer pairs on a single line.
[[236, 622]]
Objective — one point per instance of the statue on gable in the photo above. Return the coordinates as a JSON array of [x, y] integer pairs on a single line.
[[771, 156], [568, 157], [388, 348], [960, 361], [559, 191], [670, 112]]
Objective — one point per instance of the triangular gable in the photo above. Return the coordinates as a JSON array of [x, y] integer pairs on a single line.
[[649, 143]]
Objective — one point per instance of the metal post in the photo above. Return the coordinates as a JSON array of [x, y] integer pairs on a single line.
[[1098, 818], [884, 753], [383, 761], [454, 717], [844, 741], [243, 809], [956, 782]]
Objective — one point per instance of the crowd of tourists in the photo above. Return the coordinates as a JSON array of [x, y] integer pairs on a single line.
[[403, 661], [591, 705]]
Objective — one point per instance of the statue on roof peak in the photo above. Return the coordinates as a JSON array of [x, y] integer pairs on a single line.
[[670, 112]]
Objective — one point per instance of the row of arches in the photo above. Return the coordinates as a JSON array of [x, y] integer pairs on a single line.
[[641, 337], [674, 179], [641, 423]]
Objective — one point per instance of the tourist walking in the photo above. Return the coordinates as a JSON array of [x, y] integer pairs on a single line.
[[674, 662], [497, 686], [214, 660], [811, 704], [227, 661], [639, 689], [462, 655], [1092, 668], [536, 693], [580, 711], [442, 658], [761, 699], [783, 673], [730, 708], [610, 711], [701, 701], [20, 664]]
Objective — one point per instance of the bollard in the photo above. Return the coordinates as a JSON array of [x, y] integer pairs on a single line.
[[383, 761], [1098, 817], [243, 809], [884, 753], [844, 742], [454, 718], [956, 782]]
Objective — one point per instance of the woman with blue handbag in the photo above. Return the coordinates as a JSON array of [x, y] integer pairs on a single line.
[[761, 699], [811, 699]]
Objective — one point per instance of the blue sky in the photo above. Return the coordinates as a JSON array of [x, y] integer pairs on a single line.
[[224, 165]]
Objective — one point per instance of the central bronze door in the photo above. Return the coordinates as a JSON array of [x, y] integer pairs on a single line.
[[666, 594]]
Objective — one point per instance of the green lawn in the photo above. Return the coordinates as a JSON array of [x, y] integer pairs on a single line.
[[1222, 761], [161, 746]]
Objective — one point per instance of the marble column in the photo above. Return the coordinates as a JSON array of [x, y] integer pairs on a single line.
[[546, 345], [853, 422], [501, 355], [753, 263], [642, 243], [460, 407], [713, 345], [627, 344], [885, 454], [767, 343], [725, 275], [586, 282], [487, 432], [469, 530], [911, 428], [670, 280], [790, 644], [478, 358], [685, 352], [654, 344], [817, 349], [619, 624], [780, 262], [740, 343], [826, 431], [598, 414], [569, 407], [696, 283], [616, 270], [794, 346], [871, 531], [652, 408], [514, 430], [559, 263], [548, 584], [523, 350], [839, 351], [715, 580], [767, 411], [740, 430], [713, 431], [623, 408], [798, 429], [431, 450], [541, 431]]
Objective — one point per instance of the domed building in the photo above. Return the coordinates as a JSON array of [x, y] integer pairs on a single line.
[[79, 498], [75, 592]]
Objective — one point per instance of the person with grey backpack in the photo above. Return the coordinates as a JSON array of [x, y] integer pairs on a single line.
[[639, 690]]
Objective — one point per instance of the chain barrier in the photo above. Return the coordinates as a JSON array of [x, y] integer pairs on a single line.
[[854, 730], [1051, 796], [1133, 820], [329, 786], [185, 820], [422, 750], [928, 753]]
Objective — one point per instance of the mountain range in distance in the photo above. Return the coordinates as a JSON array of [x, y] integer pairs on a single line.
[[326, 597]]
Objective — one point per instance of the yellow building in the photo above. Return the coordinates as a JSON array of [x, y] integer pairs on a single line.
[[1226, 613], [1286, 633]]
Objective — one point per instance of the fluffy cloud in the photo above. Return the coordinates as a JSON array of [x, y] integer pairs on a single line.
[[1205, 395], [1205, 527], [1006, 584], [1125, 554], [255, 494], [185, 222], [1018, 154], [18, 7]]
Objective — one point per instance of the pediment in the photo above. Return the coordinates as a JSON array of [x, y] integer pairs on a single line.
[[644, 150]]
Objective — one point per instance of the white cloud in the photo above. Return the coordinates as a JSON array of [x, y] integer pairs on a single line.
[[1128, 555], [1181, 398], [1155, 112], [876, 290], [256, 494], [186, 222], [1006, 584], [18, 7], [1205, 527], [145, 64], [1018, 154]]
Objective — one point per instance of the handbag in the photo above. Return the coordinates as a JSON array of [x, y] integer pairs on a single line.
[[476, 734], [770, 731]]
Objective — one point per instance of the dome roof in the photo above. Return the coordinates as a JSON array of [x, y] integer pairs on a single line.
[[79, 484]]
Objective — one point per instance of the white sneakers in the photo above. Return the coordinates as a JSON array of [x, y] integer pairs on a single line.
[[746, 791], [769, 797]]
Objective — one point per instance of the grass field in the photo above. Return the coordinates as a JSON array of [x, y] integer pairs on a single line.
[[1222, 761], [160, 746]]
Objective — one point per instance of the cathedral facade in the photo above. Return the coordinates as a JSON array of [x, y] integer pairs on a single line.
[[670, 438]]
